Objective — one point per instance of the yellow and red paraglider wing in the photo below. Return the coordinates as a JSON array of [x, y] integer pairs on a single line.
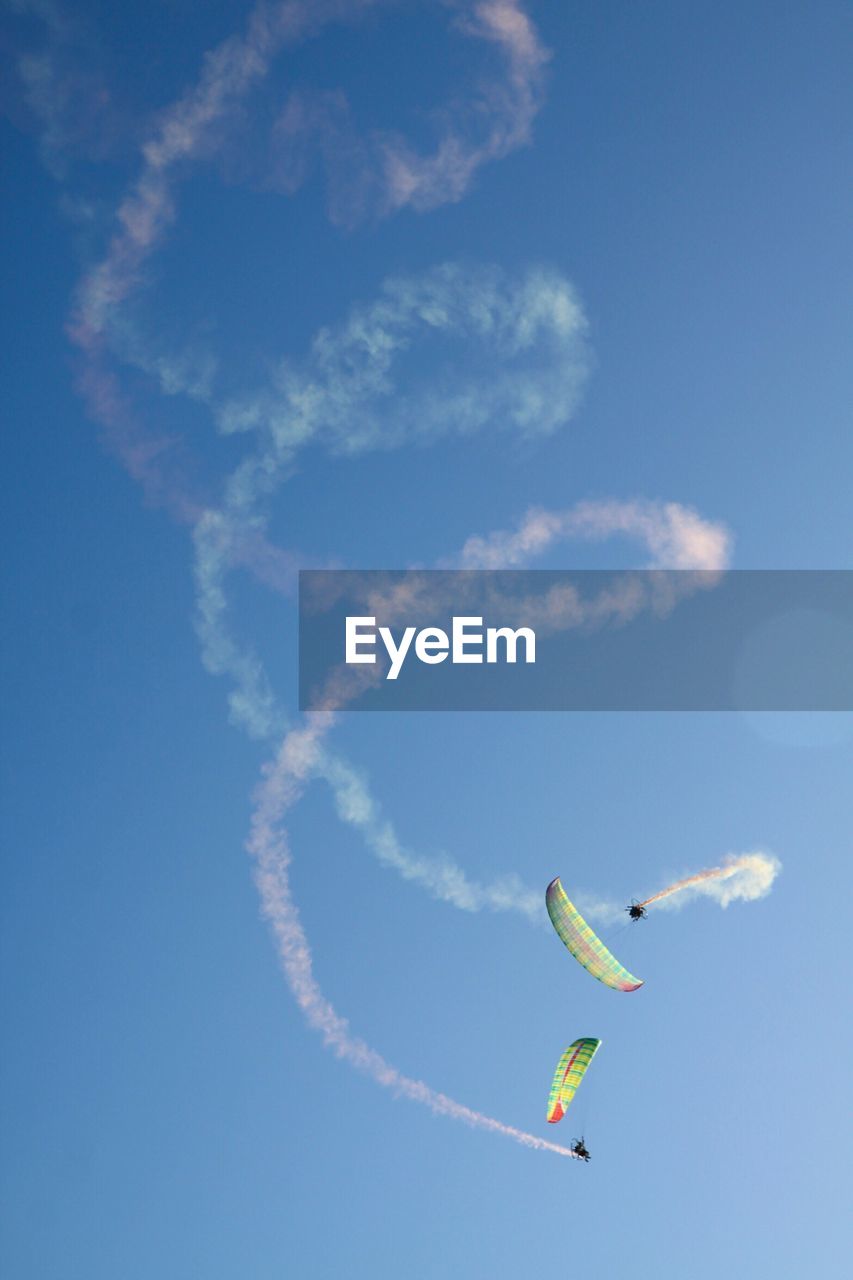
[[570, 1071]]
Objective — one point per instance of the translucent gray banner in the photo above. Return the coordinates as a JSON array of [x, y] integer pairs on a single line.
[[543, 640]]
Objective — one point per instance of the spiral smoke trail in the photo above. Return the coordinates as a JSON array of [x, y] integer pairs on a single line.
[[535, 314], [193, 128]]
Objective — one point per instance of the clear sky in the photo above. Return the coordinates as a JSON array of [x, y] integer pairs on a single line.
[[352, 292]]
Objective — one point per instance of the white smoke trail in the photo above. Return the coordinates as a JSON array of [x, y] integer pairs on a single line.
[[340, 397], [195, 128], [525, 337], [743, 877], [221, 536], [380, 171], [674, 536], [267, 844], [669, 531], [442, 878]]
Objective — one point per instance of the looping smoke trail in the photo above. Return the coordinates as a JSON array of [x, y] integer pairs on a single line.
[[512, 318], [267, 844], [744, 878], [497, 120], [233, 534], [674, 536]]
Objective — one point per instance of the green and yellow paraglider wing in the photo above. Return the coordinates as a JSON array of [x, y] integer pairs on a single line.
[[570, 1071], [585, 946]]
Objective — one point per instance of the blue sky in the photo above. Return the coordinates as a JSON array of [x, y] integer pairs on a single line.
[[682, 173]]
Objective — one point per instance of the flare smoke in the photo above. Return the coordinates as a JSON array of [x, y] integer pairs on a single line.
[[741, 878]]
